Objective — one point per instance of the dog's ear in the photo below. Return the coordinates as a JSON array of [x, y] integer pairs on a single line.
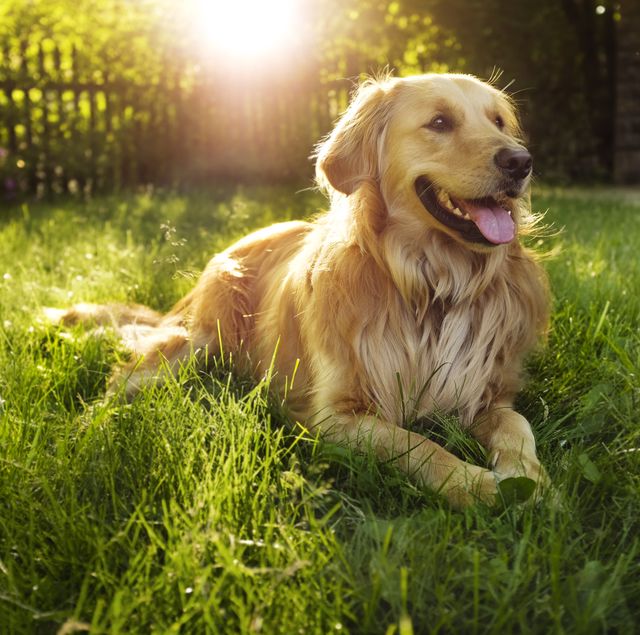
[[349, 154]]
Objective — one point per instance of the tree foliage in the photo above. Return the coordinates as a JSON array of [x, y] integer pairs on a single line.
[[556, 57]]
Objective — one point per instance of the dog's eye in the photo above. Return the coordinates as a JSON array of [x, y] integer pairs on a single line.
[[440, 123], [499, 122]]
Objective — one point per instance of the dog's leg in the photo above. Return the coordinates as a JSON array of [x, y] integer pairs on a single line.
[[423, 460], [509, 440], [156, 347], [161, 354]]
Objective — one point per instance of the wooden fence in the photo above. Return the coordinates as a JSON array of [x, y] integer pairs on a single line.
[[66, 127]]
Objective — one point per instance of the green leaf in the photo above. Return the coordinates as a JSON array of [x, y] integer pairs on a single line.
[[589, 469], [516, 490]]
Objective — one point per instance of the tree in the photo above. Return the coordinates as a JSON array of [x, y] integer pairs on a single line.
[[627, 129], [557, 58]]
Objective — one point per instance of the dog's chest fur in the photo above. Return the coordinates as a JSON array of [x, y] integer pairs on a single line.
[[447, 361], [445, 350]]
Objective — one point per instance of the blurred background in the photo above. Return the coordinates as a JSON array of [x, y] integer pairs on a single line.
[[97, 95]]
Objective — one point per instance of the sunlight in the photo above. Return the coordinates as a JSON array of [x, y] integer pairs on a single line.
[[245, 30]]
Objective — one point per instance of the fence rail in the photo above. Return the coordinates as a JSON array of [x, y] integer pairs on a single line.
[[66, 128]]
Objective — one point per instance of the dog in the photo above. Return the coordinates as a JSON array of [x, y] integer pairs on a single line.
[[414, 276]]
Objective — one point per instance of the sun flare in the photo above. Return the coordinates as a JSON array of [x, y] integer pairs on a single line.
[[247, 30]]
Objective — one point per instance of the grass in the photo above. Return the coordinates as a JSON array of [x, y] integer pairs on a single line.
[[198, 509]]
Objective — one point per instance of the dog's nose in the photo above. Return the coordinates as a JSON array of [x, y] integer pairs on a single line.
[[514, 163]]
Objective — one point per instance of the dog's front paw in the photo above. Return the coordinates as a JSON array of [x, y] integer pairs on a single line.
[[471, 486], [518, 474]]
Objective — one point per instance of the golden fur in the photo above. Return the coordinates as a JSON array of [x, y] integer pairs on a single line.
[[378, 291]]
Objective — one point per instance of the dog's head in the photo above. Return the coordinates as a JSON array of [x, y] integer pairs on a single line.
[[444, 148]]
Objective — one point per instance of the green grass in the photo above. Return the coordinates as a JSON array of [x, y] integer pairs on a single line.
[[198, 509]]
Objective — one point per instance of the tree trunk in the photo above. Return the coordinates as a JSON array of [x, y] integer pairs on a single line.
[[627, 131]]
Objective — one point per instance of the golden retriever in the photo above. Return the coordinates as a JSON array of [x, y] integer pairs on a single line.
[[415, 276]]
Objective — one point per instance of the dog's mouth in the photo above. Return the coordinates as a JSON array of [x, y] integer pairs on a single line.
[[482, 220]]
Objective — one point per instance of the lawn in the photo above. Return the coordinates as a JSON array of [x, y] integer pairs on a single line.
[[198, 508]]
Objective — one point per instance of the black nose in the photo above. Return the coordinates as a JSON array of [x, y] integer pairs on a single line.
[[514, 163]]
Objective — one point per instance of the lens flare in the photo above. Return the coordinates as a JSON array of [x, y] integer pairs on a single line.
[[247, 30]]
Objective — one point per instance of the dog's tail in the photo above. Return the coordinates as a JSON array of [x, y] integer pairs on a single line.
[[104, 315], [138, 327]]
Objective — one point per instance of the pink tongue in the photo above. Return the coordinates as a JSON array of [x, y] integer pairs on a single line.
[[494, 222]]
